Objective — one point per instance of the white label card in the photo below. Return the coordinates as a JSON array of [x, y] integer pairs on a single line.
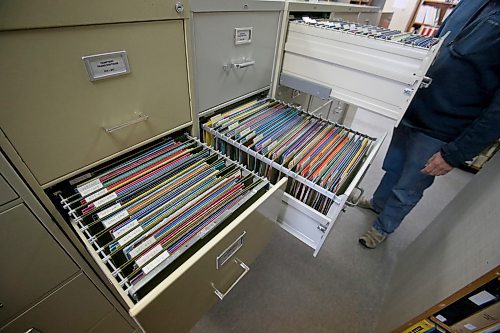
[[245, 132], [149, 255], [125, 228], [89, 187], [441, 318], [105, 200], [155, 262], [101, 66], [481, 298], [141, 247], [470, 327], [242, 35], [125, 239], [109, 210], [233, 126], [96, 195], [115, 218]]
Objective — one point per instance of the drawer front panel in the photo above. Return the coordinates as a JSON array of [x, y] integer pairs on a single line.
[[376, 74], [7, 194], [217, 57], [179, 301], [76, 307], [32, 262], [56, 118]]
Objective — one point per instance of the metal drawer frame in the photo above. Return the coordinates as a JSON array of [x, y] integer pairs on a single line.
[[296, 217]]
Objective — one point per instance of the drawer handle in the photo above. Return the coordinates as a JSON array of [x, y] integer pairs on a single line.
[[244, 64], [246, 269], [140, 117], [353, 201], [239, 65], [33, 330]]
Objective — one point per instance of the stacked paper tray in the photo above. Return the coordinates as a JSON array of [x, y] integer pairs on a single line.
[[277, 140], [370, 31], [142, 213], [377, 69]]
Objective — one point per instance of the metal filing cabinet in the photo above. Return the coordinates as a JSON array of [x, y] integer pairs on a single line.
[[109, 82], [28, 254], [323, 62], [110, 114], [110, 85], [337, 109], [234, 45], [39, 281]]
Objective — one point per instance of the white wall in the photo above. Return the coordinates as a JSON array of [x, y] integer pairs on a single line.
[[403, 11], [458, 247]]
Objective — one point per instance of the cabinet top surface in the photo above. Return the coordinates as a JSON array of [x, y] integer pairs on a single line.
[[31, 14], [301, 5], [235, 5]]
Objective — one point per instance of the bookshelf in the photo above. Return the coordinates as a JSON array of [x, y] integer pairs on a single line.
[[429, 15]]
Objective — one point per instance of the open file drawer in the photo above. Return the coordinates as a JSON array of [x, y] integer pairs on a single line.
[[367, 66], [173, 226], [324, 161]]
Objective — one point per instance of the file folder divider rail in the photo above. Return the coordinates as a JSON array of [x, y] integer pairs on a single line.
[[178, 186]]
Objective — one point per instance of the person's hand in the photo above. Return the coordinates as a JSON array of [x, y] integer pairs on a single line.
[[436, 166]]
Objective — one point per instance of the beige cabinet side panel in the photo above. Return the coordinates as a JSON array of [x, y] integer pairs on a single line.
[[6, 192], [23, 14], [55, 117], [75, 308], [32, 262], [113, 322]]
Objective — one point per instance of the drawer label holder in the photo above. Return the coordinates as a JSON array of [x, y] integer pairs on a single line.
[[229, 251], [243, 35], [106, 65]]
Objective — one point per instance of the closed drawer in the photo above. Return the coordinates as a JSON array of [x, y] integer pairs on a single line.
[[32, 262], [7, 194], [56, 118], [179, 301], [75, 307], [233, 54]]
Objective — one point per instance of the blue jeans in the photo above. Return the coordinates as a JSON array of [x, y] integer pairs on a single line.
[[403, 184]]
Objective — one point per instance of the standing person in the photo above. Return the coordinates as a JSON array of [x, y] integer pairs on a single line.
[[446, 124]]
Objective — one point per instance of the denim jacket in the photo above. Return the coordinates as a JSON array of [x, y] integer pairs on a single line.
[[462, 105]]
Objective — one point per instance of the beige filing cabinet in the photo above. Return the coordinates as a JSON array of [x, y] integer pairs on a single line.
[[40, 283], [234, 46], [106, 82], [107, 85]]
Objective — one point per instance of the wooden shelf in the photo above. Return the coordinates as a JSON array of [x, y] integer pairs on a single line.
[[442, 5], [438, 2], [429, 313]]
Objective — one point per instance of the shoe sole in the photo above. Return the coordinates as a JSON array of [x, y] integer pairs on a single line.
[[363, 244]]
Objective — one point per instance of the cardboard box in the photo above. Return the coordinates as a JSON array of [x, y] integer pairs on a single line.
[[492, 329], [482, 319], [424, 326]]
